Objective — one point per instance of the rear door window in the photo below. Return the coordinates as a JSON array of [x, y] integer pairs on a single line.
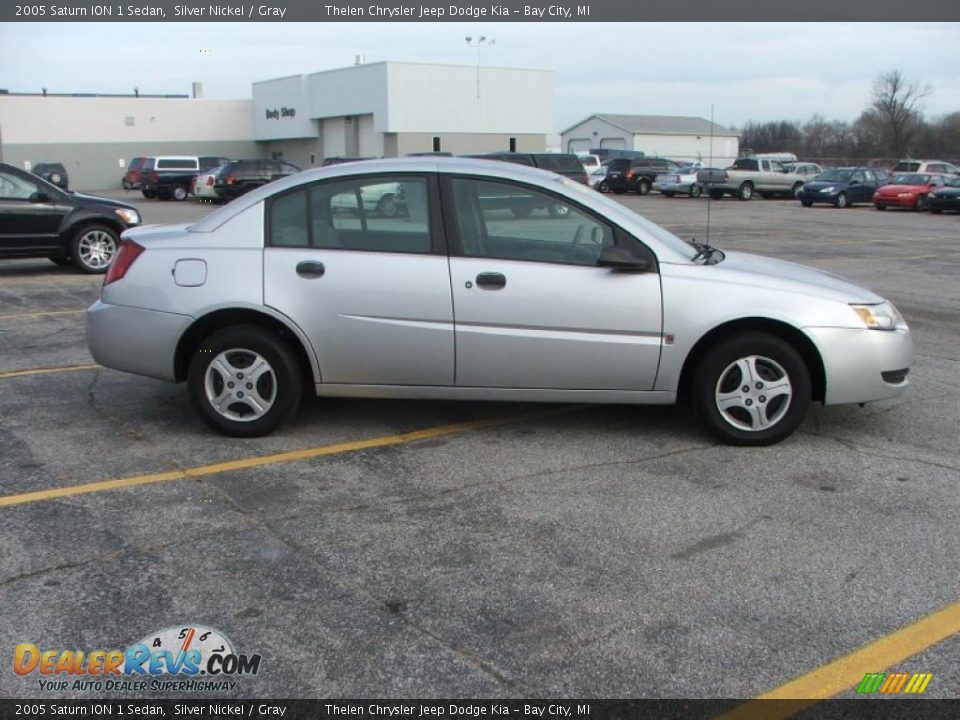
[[176, 164]]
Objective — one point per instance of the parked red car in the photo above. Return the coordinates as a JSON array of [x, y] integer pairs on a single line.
[[131, 178], [907, 190]]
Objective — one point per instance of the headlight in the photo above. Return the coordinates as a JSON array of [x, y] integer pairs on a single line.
[[904, 194], [828, 189], [130, 217], [880, 317]]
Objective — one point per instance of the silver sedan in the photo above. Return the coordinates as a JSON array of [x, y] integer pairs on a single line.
[[496, 282]]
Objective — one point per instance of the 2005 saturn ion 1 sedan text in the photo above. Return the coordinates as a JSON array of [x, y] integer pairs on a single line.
[[486, 281]]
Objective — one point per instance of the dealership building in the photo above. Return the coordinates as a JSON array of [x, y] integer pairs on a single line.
[[685, 139], [382, 109]]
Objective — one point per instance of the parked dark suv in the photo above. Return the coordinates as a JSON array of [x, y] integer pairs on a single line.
[[238, 177], [635, 174], [41, 220], [564, 164], [54, 173]]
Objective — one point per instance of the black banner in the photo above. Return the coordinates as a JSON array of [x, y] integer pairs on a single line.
[[855, 709], [475, 10]]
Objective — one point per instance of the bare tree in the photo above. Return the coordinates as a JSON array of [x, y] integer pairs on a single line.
[[896, 102]]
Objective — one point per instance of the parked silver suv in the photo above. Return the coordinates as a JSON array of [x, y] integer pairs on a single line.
[[461, 296]]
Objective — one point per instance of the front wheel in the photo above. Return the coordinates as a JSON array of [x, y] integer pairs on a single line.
[[604, 186], [795, 190], [244, 381], [93, 248], [842, 201], [806, 203], [751, 389], [387, 206]]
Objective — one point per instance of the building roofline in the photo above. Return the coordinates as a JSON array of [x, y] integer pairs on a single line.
[[726, 131]]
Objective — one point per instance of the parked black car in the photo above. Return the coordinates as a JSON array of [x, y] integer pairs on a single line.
[[238, 177], [564, 164], [946, 197], [54, 173], [636, 174], [41, 220], [843, 187]]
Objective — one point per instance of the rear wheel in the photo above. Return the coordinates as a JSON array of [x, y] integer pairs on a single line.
[[93, 248], [643, 186], [795, 190], [842, 201], [558, 210], [921, 203], [604, 186], [751, 389], [695, 190], [745, 191], [244, 381], [178, 192], [387, 206]]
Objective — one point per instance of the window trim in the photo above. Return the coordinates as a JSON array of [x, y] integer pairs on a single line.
[[435, 224], [455, 243]]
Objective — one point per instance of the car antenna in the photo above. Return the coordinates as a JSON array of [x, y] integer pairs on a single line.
[[709, 174]]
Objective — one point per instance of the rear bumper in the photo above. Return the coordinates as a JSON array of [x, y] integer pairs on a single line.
[[666, 187], [863, 365], [135, 340]]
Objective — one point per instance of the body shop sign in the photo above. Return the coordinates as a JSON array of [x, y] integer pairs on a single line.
[[276, 114]]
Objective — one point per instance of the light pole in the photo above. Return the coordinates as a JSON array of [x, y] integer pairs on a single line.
[[480, 42]]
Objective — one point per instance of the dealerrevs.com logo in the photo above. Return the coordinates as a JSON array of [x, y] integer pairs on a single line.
[[177, 659]]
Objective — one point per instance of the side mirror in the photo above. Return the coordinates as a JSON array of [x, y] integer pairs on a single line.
[[854, 182], [39, 197], [618, 258]]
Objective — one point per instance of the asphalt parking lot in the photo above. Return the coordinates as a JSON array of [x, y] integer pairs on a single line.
[[505, 550]]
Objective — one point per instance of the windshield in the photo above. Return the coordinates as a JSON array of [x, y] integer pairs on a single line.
[[911, 179], [951, 181], [836, 175]]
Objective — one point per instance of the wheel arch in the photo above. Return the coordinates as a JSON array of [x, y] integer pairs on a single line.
[[786, 332], [73, 223], [227, 317]]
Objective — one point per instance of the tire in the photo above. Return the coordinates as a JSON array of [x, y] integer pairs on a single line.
[[842, 201], [387, 206], [806, 203], [94, 247], [643, 186], [795, 190], [253, 407], [669, 194], [921, 203], [716, 194], [719, 381], [695, 191], [745, 191], [522, 210], [558, 210], [178, 193], [604, 186], [149, 194]]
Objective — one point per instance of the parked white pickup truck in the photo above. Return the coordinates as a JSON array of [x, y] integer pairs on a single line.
[[757, 176]]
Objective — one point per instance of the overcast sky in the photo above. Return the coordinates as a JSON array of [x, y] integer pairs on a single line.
[[748, 71]]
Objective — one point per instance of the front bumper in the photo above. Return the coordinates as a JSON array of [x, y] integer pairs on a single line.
[[135, 340], [893, 201], [935, 203], [816, 197], [855, 362]]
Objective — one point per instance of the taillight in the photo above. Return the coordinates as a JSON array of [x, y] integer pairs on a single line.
[[154, 177], [209, 179], [230, 179], [630, 174], [128, 252]]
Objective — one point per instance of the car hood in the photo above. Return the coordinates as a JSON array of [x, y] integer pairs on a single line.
[[820, 184], [895, 189], [749, 269], [948, 191], [82, 197]]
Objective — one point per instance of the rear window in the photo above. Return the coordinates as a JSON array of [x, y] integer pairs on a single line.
[[746, 165], [136, 163], [916, 179], [560, 163], [176, 164], [906, 167]]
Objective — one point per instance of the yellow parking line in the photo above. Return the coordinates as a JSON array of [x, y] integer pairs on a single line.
[[17, 316], [847, 671], [46, 371], [262, 460]]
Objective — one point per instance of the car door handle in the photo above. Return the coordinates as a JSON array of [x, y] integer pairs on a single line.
[[310, 269], [491, 280]]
